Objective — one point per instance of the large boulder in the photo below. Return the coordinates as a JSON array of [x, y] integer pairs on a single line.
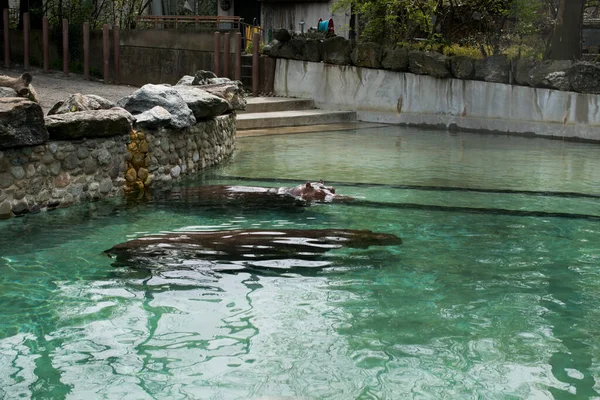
[[462, 67], [550, 74], [81, 102], [89, 124], [7, 92], [282, 35], [154, 118], [336, 50], [231, 91], [496, 69], [429, 63], [203, 104], [292, 49], [395, 59], [185, 80], [367, 54], [201, 77], [149, 96], [522, 68], [584, 77], [21, 123], [312, 50]]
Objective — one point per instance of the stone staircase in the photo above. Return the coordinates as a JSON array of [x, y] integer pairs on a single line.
[[277, 112]]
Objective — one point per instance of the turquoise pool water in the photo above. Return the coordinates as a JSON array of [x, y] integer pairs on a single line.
[[494, 294]]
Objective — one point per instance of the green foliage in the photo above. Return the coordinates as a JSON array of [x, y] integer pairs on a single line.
[[466, 51], [250, 47], [469, 27]]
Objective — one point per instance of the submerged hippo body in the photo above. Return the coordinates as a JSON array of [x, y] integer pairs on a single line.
[[224, 249], [304, 194]]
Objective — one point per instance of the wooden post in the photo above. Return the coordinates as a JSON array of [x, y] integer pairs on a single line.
[[255, 64], [45, 44], [86, 50], [65, 33], [226, 56], [116, 52], [105, 51], [26, 30], [6, 42], [238, 56], [217, 56]]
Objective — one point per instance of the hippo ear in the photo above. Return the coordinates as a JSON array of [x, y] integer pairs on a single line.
[[308, 185], [322, 182]]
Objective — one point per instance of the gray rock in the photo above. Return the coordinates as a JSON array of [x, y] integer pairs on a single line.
[[89, 124], [496, 68], [231, 91], [293, 49], [106, 186], [550, 74], [81, 102], [395, 59], [312, 50], [21, 123], [429, 63], [203, 104], [18, 172], [336, 50], [282, 35], [584, 77], [201, 77], [186, 80], [156, 117], [20, 207], [149, 96], [6, 180], [7, 92], [462, 67], [5, 208], [71, 162], [521, 70], [367, 54], [90, 166]]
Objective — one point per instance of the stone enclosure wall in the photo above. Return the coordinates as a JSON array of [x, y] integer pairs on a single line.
[[61, 173]]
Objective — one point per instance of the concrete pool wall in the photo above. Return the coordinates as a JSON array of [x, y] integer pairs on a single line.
[[421, 100]]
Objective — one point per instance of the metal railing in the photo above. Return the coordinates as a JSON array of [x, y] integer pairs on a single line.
[[187, 21]]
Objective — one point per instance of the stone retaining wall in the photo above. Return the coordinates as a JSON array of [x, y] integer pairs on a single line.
[[61, 173]]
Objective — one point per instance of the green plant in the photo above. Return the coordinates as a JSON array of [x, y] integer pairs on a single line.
[[250, 47]]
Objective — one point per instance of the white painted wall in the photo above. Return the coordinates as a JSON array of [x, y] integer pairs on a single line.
[[404, 98]]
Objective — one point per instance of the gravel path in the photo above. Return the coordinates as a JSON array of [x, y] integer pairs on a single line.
[[54, 86]]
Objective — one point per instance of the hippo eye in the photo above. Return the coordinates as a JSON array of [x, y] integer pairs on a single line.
[[332, 190]]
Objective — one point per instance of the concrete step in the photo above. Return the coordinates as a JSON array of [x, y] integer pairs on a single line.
[[273, 104], [292, 118]]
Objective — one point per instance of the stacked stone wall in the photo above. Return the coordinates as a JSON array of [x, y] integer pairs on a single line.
[[61, 173]]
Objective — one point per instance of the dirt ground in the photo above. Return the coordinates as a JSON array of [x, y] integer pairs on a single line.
[[54, 86]]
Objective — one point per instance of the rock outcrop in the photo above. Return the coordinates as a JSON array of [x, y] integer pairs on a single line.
[[149, 96], [550, 74], [336, 50], [89, 124], [21, 123], [81, 102], [429, 63], [367, 54]]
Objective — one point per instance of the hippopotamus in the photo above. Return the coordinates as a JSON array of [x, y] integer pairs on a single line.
[[304, 194], [241, 246]]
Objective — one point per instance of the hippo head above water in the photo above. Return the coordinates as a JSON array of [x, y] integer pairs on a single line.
[[314, 191]]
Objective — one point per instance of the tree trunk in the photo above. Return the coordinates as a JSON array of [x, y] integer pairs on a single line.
[[566, 39]]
